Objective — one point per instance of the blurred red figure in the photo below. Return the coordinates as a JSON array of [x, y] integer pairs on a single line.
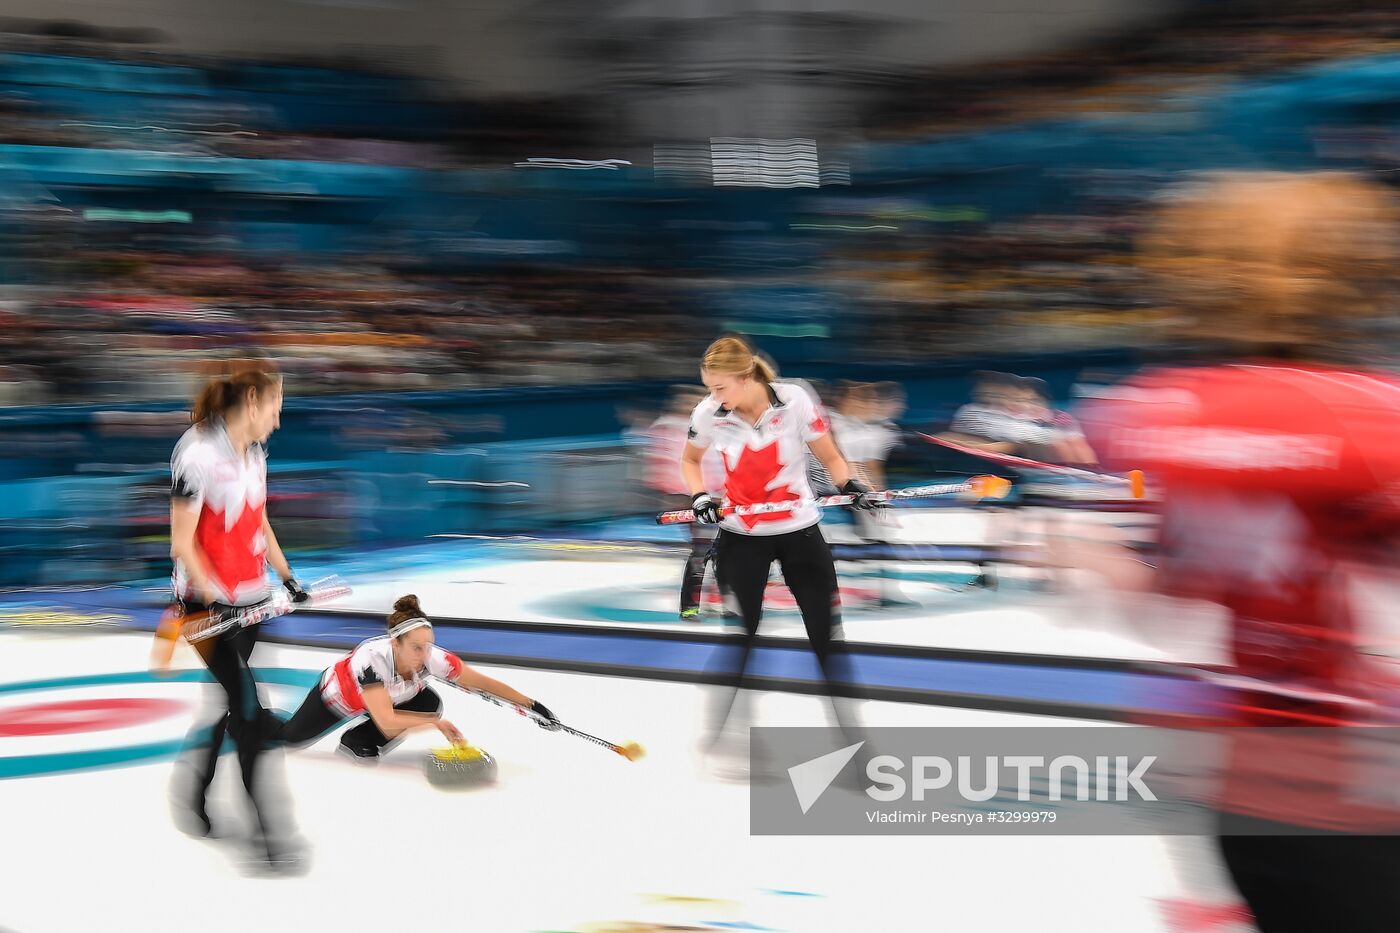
[[1280, 482]]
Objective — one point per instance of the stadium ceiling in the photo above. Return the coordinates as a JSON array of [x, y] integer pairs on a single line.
[[507, 47]]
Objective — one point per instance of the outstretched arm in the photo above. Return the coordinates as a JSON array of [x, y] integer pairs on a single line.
[[475, 680]]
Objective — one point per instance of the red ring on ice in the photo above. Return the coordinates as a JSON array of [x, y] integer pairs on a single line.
[[70, 716]]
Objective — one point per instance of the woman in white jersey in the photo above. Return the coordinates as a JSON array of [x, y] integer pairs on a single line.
[[386, 680], [866, 436], [221, 542], [762, 429]]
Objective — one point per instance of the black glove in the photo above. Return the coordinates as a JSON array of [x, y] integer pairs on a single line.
[[865, 496], [298, 594], [196, 627], [539, 709], [706, 508]]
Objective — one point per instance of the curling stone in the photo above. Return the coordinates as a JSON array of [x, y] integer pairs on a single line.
[[459, 766]]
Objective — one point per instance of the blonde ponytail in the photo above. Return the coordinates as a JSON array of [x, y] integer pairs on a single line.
[[732, 356]]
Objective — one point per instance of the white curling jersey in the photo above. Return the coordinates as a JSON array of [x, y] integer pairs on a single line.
[[863, 441], [372, 663], [229, 493], [767, 461]]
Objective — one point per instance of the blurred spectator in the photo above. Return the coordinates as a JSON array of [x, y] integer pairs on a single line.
[[666, 437], [1068, 445], [994, 420]]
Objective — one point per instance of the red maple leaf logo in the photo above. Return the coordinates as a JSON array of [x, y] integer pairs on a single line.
[[230, 552], [748, 479]]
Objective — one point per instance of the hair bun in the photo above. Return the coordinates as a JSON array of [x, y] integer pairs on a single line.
[[409, 604]]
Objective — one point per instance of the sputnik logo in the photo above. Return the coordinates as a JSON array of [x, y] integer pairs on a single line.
[[811, 778]]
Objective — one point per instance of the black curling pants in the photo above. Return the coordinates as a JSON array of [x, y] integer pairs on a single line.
[[314, 719], [742, 563]]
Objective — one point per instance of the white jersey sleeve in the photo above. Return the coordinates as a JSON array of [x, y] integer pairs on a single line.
[[191, 470], [811, 416], [701, 432], [443, 665]]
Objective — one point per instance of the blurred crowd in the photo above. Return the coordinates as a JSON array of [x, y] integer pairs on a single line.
[[147, 334], [1144, 69], [137, 324], [200, 105], [127, 310], [1040, 284], [128, 303]]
